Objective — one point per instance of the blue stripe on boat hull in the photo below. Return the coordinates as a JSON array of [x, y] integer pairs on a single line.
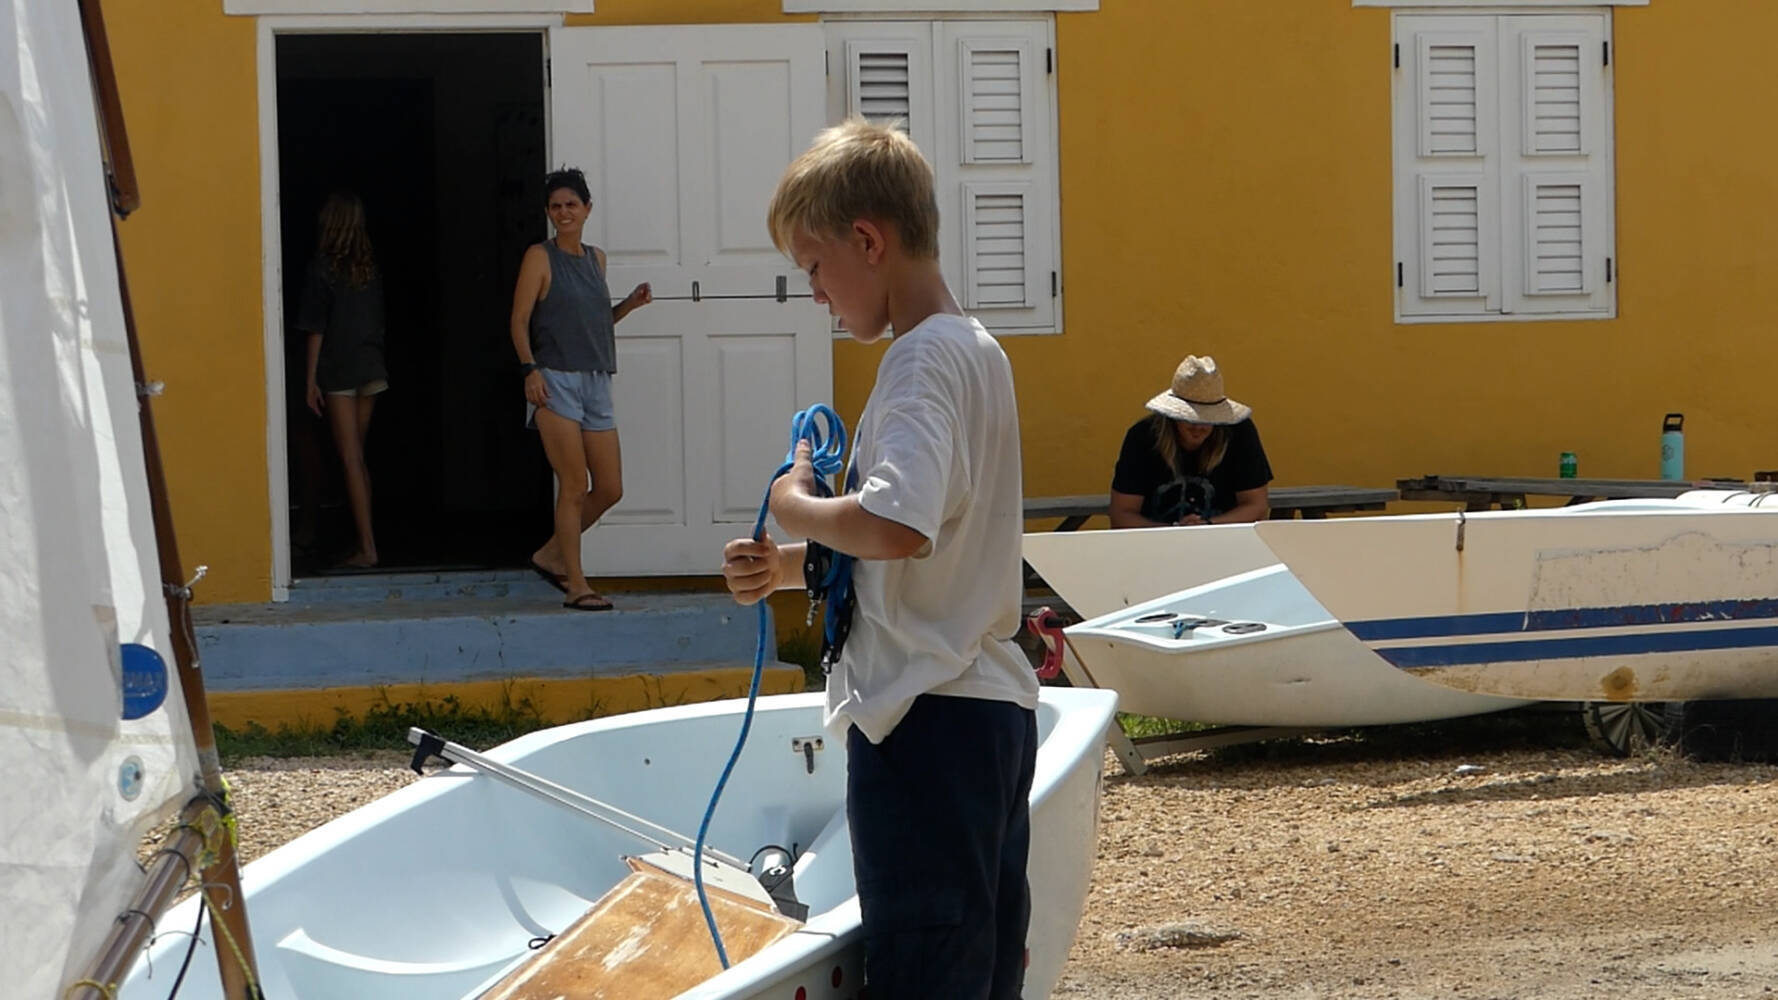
[[1575, 648], [1447, 626]]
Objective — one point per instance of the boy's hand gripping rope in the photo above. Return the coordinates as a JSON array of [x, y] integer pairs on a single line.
[[831, 580]]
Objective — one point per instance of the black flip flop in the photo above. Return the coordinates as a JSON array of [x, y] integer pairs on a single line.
[[550, 578], [587, 602]]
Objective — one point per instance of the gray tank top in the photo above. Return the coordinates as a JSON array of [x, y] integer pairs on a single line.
[[572, 328]]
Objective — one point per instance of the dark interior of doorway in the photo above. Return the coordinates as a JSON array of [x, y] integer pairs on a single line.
[[442, 136]]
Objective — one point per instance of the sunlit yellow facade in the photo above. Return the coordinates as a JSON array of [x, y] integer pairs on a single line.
[[1225, 179]]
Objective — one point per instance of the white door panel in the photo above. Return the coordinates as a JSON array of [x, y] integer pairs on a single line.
[[647, 395], [683, 132], [704, 394], [687, 130]]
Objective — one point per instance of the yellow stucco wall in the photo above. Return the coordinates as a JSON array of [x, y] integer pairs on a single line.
[[1225, 179], [192, 253], [686, 12], [1226, 189]]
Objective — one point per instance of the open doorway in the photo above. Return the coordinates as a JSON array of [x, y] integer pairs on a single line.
[[442, 136]]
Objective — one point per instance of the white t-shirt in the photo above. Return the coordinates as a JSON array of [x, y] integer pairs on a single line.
[[937, 449]]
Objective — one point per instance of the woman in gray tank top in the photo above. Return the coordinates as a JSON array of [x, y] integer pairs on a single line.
[[563, 329]]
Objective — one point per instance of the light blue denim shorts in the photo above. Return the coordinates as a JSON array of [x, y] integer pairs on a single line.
[[583, 397]]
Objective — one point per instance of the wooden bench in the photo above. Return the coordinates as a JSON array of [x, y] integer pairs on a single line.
[[1485, 492], [1287, 502]]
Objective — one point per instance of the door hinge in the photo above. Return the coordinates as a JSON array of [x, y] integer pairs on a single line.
[[1049, 60], [1055, 285], [548, 79], [1399, 275], [826, 64], [1608, 272], [1397, 55], [1607, 49]]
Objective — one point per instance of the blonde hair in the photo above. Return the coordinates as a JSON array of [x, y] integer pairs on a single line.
[[857, 170], [344, 242], [1166, 442]]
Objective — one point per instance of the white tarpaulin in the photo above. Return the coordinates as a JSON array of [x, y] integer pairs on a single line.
[[78, 571]]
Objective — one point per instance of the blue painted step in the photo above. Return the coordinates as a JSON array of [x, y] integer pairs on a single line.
[[339, 640], [433, 586]]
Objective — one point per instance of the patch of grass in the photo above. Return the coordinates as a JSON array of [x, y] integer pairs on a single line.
[[803, 648], [384, 727], [1137, 726]]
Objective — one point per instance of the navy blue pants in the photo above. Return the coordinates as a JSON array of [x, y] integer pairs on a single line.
[[941, 829]]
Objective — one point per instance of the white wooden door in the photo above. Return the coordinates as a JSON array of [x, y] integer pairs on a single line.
[[683, 132]]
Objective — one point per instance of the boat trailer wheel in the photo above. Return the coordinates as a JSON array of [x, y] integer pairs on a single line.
[[1623, 728]]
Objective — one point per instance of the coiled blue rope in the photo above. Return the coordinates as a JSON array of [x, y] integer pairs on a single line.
[[826, 434]]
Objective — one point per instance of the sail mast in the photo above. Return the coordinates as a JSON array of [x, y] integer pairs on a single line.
[[203, 842]]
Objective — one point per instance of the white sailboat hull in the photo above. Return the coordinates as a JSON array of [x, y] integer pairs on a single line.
[[1638, 601], [435, 891], [1099, 572], [1303, 669], [1323, 677]]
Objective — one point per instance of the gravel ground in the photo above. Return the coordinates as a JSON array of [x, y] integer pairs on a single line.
[[1474, 860]]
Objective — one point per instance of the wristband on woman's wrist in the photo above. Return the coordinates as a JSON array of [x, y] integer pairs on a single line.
[[527, 367]]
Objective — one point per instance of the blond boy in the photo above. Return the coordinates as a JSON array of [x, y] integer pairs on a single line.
[[936, 703]]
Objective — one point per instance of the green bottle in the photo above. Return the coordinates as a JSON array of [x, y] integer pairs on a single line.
[[1570, 465]]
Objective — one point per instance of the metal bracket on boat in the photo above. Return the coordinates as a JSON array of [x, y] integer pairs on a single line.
[[431, 745], [1462, 523], [807, 745], [183, 591], [780, 884], [1182, 625]]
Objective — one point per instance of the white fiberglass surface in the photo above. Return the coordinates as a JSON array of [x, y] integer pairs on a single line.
[[1244, 608], [429, 884], [430, 890]]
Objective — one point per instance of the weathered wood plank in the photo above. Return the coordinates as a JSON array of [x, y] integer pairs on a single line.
[[1470, 488], [644, 940]]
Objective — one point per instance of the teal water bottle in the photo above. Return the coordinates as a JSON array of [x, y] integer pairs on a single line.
[[1569, 466], [1673, 446]]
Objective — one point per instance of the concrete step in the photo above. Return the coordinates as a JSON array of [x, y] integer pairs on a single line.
[[473, 634], [420, 586]]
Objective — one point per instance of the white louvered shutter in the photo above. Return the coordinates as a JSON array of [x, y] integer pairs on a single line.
[[881, 83], [1447, 169], [882, 71], [978, 99], [1557, 223], [997, 171]]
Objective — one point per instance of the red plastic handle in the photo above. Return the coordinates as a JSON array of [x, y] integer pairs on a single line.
[[1047, 626]]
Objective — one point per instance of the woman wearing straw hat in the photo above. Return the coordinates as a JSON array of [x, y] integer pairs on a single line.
[[1196, 459]]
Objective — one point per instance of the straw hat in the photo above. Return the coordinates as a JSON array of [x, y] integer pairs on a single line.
[[1197, 395]]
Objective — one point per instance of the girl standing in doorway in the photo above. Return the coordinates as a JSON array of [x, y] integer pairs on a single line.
[[563, 327], [341, 310]]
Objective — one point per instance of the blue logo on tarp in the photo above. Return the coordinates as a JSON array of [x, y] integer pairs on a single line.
[[144, 680]]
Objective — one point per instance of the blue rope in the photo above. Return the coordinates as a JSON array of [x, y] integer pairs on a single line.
[[826, 434]]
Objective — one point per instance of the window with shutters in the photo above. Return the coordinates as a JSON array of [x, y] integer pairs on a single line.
[[978, 97], [407, 7], [1503, 167]]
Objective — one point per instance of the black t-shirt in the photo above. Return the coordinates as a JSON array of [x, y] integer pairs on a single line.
[[1168, 495], [350, 321]]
